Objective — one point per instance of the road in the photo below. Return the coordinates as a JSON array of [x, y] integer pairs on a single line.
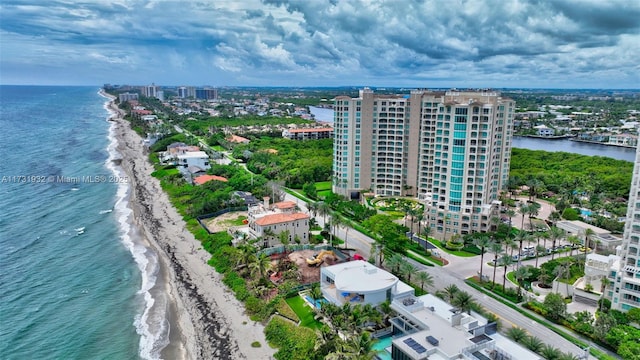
[[456, 272]]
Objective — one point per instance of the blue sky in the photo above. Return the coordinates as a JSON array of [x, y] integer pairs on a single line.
[[399, 43]]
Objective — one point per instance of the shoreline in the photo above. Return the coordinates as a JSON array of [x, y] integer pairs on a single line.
[[206, 319]]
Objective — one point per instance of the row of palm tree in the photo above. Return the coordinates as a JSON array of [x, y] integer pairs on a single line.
[[404, 269], [536, 345]]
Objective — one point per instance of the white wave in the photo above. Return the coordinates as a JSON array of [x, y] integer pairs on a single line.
[[102, 212], [79, 229], [151, 324]]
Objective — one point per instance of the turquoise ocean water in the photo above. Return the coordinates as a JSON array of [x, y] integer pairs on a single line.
[[72, 276]]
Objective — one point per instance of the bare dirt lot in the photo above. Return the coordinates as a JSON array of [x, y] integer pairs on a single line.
[[309, 273], [224, 221]]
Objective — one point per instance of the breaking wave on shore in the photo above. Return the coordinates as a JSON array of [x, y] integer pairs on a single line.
[[151, 323]]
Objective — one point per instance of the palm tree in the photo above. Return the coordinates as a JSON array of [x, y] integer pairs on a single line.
[[555, 234], [313, 207], [482, 242], [521, 274], [521, 237], [419, 217], [604, 282], [394, 263], [510, 214], [534, 210], [524, 210], [532, 343], [425, 279], [336, 222], [539, 250], [315, 292], [261, 265], [323, 209], [463, 301], [564, 270], [516, 334], [550, 353], [573, 240], [568, 356], [588, 236], [407, 269], [284, 239], [450, 291], [505, 261], [496, 249]]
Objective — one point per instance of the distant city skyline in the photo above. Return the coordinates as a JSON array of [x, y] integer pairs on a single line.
[[567, 44]]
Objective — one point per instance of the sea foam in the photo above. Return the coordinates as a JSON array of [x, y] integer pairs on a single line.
[[151, 323]]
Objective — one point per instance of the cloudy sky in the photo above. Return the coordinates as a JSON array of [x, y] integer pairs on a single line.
[[395, 43]]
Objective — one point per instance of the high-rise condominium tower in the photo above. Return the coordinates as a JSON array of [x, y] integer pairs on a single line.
[[449, 149], [625, 280]]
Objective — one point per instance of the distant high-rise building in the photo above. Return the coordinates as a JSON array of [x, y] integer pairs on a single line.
[[127, 96], [186, 92], [150, 90], [207, 94], [449, 149]]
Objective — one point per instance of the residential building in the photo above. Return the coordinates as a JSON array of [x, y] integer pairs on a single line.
[[199, 159], [428, 328], [206, 94], [626, 278], [544, 130], [186, 92], [627, 140], [127, 96], [602, 239], [308, 134], [267, 222], [451, 149], [359, 282], [424, 327], [203, 179], [150, 90]]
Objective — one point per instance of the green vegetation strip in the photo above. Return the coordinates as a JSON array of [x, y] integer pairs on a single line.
[[419, 258], [304, 312], [452, 252], [596, 353]]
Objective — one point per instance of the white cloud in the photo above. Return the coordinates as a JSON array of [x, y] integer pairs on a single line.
[[511, 43]]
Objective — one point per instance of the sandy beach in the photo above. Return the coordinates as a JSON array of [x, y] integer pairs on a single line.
[[207, 321]]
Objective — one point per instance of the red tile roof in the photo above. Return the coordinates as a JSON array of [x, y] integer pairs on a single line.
[[199, 180], [285, 205], [280, 218]]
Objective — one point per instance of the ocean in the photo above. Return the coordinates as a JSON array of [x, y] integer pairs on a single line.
[[74, 275]]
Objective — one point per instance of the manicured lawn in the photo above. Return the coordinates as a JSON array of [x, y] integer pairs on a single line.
[[452, 252], [323, 186], [304, 312]]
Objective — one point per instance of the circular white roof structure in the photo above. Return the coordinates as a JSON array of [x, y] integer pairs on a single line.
[[361, 277]]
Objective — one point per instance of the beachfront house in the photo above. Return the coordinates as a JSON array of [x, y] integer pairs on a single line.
[[193, 162], [268, 222], [359, 282], [427, 327]]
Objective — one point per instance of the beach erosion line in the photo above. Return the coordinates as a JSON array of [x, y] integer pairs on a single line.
[[204, 319], [151, 323]]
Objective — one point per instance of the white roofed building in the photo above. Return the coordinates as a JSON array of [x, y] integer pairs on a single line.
[[359, 282]]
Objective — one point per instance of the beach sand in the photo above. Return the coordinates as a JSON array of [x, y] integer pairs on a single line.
[[207, 321]]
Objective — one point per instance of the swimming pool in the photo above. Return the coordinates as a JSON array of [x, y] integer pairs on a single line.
[[380, 348], [585, 212], [317, 304]]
